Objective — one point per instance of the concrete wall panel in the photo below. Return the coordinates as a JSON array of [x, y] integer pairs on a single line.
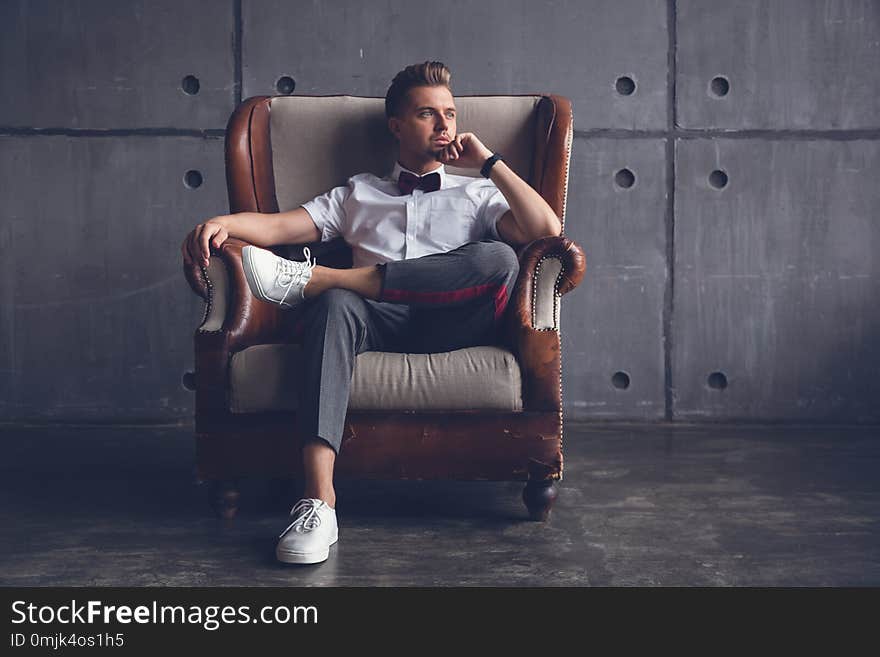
[[96, 318], [613, 321], [789, 64], [104, 64], [775, 286], [568, 47], [776, 280]]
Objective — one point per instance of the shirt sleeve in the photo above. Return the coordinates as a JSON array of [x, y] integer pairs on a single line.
[[491, 205], [328, 211]]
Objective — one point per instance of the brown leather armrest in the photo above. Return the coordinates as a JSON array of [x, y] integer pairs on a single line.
[[574, 263], [536, 343], [335, 253], [234, 320], [195, 276], [248, 320]]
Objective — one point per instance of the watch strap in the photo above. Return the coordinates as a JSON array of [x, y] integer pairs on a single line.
[[489, 163]]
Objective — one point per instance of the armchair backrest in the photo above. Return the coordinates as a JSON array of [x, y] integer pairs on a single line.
[[284, 150]]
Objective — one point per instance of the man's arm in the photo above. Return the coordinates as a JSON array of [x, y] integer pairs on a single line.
[[291, 227], [529, 217], [257, 228]]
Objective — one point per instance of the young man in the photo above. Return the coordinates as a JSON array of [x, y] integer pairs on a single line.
[[433, 269]]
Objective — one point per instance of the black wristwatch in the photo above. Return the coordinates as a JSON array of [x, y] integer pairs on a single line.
[[490, 162]]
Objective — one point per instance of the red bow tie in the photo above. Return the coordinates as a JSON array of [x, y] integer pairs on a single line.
[[407, 182]]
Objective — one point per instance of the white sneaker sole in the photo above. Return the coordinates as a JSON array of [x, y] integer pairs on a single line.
[[247, 255], [289, 556]]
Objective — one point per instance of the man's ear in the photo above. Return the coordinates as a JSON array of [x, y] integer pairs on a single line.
[[394, 126]]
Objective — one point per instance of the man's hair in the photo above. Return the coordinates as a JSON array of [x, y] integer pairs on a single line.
[[426, 74]]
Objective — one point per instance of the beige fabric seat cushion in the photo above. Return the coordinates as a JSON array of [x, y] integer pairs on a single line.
[[265, 378]]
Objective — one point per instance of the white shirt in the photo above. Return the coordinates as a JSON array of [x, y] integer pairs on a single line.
[[381, 225]]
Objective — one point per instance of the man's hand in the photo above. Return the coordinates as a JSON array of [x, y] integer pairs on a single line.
[[465, 151], [196, 245]]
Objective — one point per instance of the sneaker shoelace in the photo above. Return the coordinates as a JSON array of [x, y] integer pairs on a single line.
[[289, 272], [305, 517]]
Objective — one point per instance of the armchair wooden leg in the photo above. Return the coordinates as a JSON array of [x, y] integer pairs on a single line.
[[539, 496], [225, 498]]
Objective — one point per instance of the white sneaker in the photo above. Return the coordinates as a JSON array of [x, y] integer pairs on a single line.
[[276, 279], [310, 534]]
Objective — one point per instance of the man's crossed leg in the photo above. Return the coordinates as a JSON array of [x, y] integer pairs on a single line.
[[435, 303]]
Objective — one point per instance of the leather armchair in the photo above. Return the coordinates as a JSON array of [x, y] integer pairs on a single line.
[[442, 422]]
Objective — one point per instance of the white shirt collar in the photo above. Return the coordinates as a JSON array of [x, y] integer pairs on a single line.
[[395, 173]]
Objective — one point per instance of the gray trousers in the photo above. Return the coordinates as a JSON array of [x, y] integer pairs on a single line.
[[435, 303]]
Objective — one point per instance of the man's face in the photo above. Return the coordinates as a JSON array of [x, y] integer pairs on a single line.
[[426, 123]]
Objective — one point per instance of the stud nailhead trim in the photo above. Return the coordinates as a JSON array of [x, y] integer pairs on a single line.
[[556, 300], [568, 143], [209, 304]]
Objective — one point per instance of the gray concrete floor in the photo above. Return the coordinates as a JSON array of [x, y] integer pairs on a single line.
[[680, 505]]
